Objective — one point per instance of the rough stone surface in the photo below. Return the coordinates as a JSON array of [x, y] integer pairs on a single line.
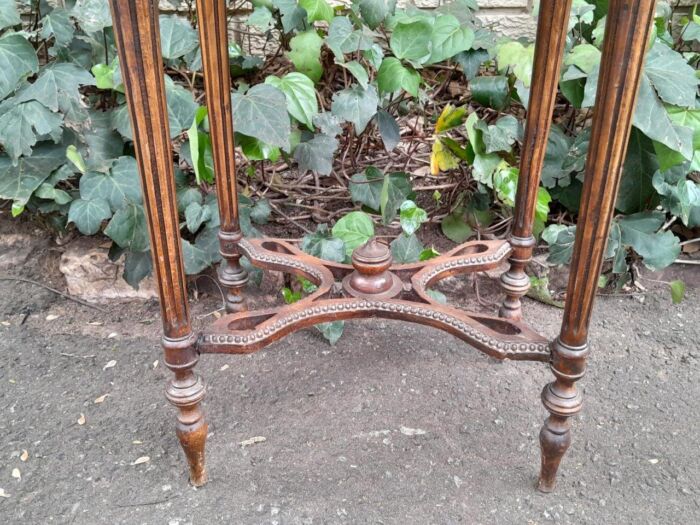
[[15, 248], [91, 276]]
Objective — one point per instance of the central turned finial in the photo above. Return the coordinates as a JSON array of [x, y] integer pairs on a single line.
[[372, 278]]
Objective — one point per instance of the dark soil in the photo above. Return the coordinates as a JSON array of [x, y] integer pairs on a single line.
[[395, 424]]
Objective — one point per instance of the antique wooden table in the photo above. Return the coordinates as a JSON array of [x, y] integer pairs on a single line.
[[372, 286]]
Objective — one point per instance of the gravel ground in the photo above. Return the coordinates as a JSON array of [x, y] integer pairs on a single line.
[[397, 423]]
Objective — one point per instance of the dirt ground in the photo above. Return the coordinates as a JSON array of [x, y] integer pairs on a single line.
[[397, 423]]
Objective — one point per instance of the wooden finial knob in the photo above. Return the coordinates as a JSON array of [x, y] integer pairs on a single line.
[[372, 278]]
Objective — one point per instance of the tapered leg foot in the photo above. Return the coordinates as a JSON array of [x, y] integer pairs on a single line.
[[186, 391], [555, 438]]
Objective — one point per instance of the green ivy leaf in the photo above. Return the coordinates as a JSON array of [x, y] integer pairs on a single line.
[[354, 229], [17, 61], [305, 54], [449, 37], [181, 107], [357, 71], [517, 57], [317, 10], [485, 164], [388, 129], [505, 182], [119, 186], [293, 16], [356, 105], [428, 253], [196, 215], [137, 266], [641, 231], [374, 12], [19, 180], [9, 15], [677, 291], [396, 188], [56, 24], [561, 242], [412, 40], [406, 249], [455, 228], [128, 228], [316, 154], [261, 17], [411, 217], [253, 149], [194, 258], [323, 245], [88, 215], [366, 188], [392, 76], [671, 75], [471, 61], [177, 37], [332, 331], [584, 56], [262, 113], [92, 15], [502, 135], [344, 38], [299, 91], [636, 190], [47, 191], [25, 124], [491, 92]]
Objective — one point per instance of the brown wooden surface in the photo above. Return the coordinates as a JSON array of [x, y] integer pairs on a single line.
[[627, 33], [552, 27], [138, 41]]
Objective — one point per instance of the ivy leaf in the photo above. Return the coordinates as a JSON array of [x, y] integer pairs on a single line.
[[455, 228], [47, 191], [356, 105], [406, 249], [104, 145], [293, 16], [137, 266], [254, 149], [677, 291], [485, 164], [17, 60], [393, 75], [181, 107], [388, 129], [177, 37], [344, 38], [194, 258], [323, 245], [671, 75], [411, 40], [554, 171], [428, 253], [88, 215], [561, 242], [491, 92], [305, 54], [196, 215], [681, 196], [636, 190], [331, 331], [354, 229], [374, 12], [261, 17], [505, 182], [118, 187], [19, 180], [25, 124], [92, 15], [366, 188], [451, 117], [317, 10], [471, 61], [641, 231], [396, 188], [374, 55], [517, 57], [262, 113], [441, 157], [9, 15], [449, 37], [502, 135], [316, 154], [128, 228], [260, 212], [200, 148], [57, 24], [57, 88], [357, 71], [584, 56], [328, 123], [300, 94], [411, 217]]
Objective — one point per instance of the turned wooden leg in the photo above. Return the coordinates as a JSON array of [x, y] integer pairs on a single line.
[[626, 36], [214, 42], [137, 38], [552, 26]]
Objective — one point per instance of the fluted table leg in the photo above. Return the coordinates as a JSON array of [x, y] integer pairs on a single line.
[[552, 27], [626, 37], [138, 42], [214, 42]]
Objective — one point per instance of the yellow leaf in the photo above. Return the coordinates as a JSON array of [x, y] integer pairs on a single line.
[[225, 367], [24, 456], [81, 419], [51, 317], [3, 494], [253, 441], [442, 159], [450, 117], [16, 473], [110, 364]]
